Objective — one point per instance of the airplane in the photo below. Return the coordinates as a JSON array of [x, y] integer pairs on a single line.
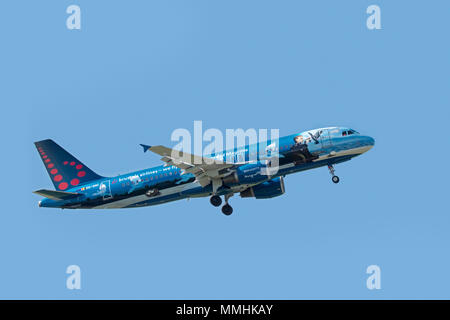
[[184, 175]]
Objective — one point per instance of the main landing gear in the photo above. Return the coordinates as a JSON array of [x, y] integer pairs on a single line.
[[334, 178], [217, 201], [227, 209]]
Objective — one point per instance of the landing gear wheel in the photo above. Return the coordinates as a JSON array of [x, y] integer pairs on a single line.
[[334, 178], [227, 209], [215, 201]]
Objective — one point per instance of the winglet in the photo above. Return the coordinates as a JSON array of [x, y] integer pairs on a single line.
[[146, 147]]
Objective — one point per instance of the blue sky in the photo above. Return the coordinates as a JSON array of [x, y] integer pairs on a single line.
[[137, 70]]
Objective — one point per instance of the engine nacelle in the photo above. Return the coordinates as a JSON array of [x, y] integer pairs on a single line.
[[248, 173], [268, 189]]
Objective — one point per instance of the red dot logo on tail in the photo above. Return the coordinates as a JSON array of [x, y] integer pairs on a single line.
[[63, 186], [64, 170]]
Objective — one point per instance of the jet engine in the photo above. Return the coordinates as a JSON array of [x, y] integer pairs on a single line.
[[268, 189], [248, 174]]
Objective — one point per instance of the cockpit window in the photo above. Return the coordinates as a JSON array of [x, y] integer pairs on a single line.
[[353, 132], [349, 132]]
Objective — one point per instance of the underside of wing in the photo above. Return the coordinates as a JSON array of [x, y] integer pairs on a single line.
[[204, 169]]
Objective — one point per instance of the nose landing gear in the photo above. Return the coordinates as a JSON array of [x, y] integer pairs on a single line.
[[334, 178]]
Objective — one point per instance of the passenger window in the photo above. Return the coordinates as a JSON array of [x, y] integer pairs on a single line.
[[344, 133]]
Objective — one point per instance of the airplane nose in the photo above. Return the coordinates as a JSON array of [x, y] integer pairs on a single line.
[[371, 141]]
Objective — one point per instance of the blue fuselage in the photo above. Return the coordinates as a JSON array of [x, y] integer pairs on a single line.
[[168, 183]]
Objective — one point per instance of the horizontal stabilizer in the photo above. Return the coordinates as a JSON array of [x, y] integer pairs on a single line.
[[56, 195]]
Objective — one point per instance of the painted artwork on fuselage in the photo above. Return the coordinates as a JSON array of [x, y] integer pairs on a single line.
[[300, 150]]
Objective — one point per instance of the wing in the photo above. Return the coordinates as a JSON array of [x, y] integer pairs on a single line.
[[205, 170]]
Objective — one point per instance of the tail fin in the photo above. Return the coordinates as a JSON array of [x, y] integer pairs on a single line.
[[65, 170]]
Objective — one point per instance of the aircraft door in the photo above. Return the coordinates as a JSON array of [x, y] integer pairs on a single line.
[[105, 189], [325, 139]]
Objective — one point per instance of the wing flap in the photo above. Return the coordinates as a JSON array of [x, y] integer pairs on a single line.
[[177, 157], [204, 169], [189, 162]]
